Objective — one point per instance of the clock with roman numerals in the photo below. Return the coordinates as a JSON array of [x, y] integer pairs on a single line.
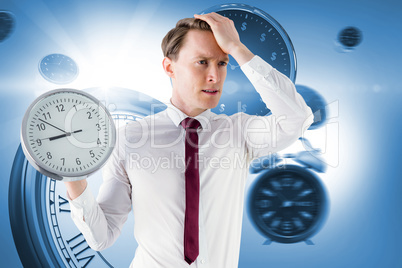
[[43, 231]]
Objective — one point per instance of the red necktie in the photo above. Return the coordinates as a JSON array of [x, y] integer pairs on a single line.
[[192, 190]]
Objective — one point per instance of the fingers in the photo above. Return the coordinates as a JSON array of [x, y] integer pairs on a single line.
[[224, 31], [212, 18]]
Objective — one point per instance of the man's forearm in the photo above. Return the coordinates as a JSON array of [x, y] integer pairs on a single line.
[[75, 188], [242, 54]]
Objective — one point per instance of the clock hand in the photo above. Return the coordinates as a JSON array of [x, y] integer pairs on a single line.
[[52, 125], [63, 135], [303, 194], [281, 197], [285, 201]]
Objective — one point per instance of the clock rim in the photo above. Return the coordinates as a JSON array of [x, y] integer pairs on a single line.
[[63, 175], [28, 221], [55, 81], [322, 215], [29, 227]]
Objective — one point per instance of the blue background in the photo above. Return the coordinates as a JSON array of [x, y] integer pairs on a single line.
[[362, 139]]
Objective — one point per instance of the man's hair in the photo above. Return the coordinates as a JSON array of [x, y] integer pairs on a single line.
[[174, 39]]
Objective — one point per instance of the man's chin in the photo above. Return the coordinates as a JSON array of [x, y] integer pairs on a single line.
[[212, 105]]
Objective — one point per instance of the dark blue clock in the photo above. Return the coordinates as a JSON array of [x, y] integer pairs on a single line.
[[264, 36], [58, 68], [7, 24], [287, 202], [350, 37], [43, 231]]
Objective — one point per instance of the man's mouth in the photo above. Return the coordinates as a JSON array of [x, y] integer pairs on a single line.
[[210, 91]]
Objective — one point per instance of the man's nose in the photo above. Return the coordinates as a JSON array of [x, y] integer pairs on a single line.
[[213, 74]]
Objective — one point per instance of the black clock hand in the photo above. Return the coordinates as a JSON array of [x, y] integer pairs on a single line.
[[52, 125], [285, 201], [281, 197], [64, 135], [303, 194]]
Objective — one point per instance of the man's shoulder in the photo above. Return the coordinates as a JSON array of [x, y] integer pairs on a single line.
[[148, 121]]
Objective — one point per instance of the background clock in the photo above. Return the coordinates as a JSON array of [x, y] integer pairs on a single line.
[[7, 24], [67, 133], [287, 204], [58, 68], [264, 36], [43, 231], [350, 37]]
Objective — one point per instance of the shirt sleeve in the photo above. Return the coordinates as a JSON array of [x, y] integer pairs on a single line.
[[100, 220], [290, 114]]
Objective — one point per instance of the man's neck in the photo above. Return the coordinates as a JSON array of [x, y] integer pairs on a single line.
[[188, 111]]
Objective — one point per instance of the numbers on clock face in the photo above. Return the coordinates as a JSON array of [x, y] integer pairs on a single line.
[[68, 134], [287, 205], [58, 68], [71, 243]]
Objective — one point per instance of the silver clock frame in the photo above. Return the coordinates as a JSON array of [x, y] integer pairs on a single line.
[[43, 168]]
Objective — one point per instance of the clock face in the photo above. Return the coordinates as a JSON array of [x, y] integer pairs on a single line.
[[58, 68], [67, 133], [350, 37], [6, 24], [43, 231], [287, 204], [266, 38]]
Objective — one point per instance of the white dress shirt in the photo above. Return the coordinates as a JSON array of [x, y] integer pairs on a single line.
[[146, 174]]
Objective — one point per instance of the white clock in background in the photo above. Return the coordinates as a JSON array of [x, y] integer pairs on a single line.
[[67, 134], [58, 68]]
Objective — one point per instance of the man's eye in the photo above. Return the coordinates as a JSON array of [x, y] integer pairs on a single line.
[[202, 62], [222, 63]]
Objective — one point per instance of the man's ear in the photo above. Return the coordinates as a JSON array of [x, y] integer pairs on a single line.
[[168, 67]]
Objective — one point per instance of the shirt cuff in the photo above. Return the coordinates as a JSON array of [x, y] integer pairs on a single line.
[[256, 67], [83, 203]]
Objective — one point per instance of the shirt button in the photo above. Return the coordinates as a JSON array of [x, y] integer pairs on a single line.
[[202, 261]]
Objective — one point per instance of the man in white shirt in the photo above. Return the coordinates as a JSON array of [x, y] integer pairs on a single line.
[[148, 168]]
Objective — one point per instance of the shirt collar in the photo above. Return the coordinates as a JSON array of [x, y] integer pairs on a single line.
[[176, 115]]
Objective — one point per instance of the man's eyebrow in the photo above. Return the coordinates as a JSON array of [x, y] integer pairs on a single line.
[[226, 58]]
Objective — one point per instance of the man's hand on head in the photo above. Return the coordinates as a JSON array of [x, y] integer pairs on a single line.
[[227, 37]]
